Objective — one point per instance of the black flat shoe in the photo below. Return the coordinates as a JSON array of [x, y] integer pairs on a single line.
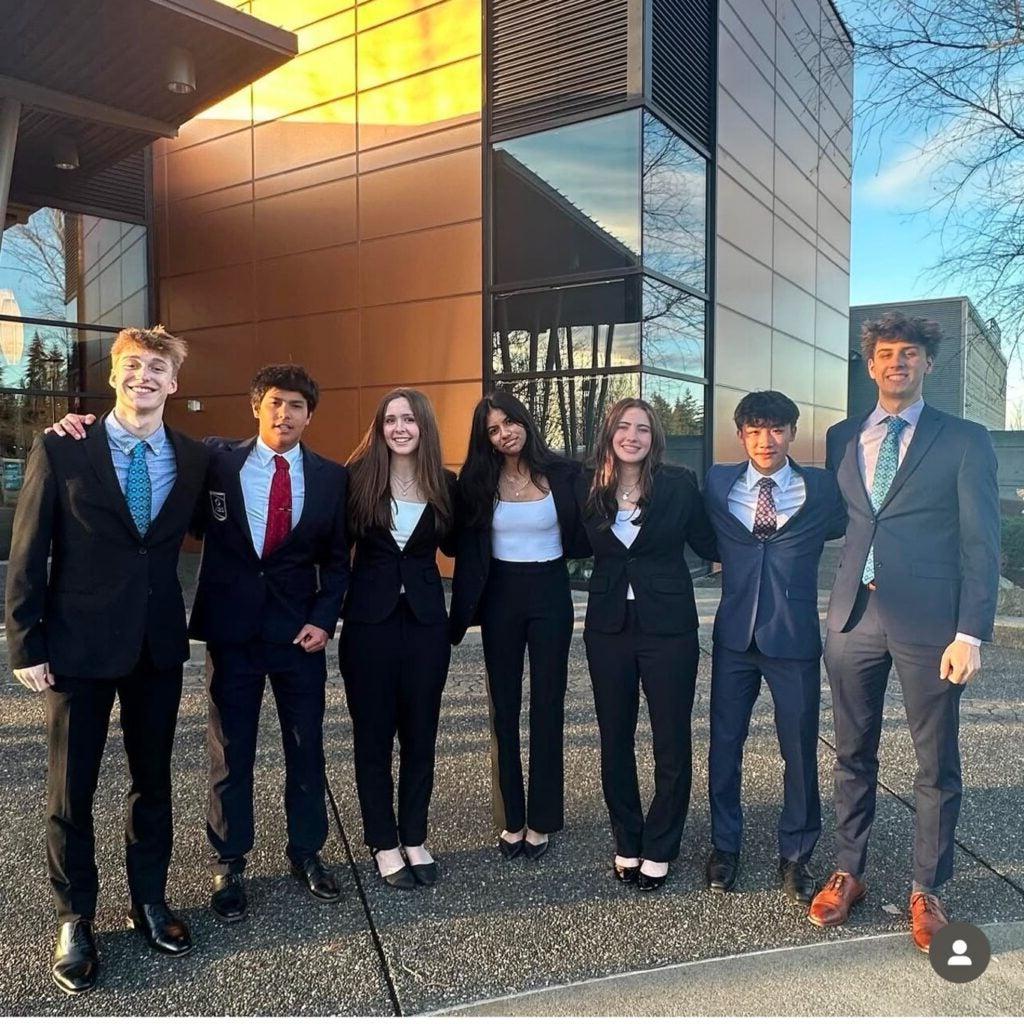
[[627, 875], [164, 932], [317, 879], [425, 874], [722, 869], [648, 883], [228, 900], [510, 850], [534, 851], [403, 878], [797, 882], [76, 964]]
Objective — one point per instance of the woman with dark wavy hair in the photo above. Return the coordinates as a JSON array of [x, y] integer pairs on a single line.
[[394, 647], [641, 629], [518, 522]]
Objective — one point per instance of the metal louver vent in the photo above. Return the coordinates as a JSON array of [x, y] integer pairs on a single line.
[[555, 58], [72, 230], [682, 63]]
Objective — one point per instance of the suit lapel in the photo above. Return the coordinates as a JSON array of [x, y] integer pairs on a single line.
[[182, 486], [97, 447], [850, 478], [808, 498], [232, 463], [928, 426], [720, 496], [312, 465]]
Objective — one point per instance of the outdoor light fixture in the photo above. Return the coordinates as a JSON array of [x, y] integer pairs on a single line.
[[181, 71], [65, 153], [194, 405]]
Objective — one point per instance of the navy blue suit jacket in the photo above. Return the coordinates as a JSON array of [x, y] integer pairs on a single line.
[[242, 597], [770, 588], [936, 536]]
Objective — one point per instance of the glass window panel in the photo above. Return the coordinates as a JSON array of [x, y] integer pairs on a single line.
[[673, 329], [568, 200], [674, 206], [569, 410], [594, 325], [680, 407]]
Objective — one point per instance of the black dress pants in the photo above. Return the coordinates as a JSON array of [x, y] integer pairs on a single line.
[[235, 698], [528, 605], [858, 663], [394, 674], [77, 719], [666, 668]]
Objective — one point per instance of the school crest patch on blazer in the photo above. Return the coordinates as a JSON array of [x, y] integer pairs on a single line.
[[219, 505]]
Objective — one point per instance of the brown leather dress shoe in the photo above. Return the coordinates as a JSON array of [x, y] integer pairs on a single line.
[[838, 895], [927, 916]]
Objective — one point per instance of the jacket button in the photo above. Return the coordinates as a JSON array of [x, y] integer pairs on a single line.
[[142, 551], [260, 574]]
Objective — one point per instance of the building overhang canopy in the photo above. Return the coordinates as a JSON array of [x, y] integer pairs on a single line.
[[95, 73]]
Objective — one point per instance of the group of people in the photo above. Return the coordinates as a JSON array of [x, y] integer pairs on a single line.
[[293, 541]]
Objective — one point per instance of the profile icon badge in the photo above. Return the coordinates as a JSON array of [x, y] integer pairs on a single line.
[[959, 952]]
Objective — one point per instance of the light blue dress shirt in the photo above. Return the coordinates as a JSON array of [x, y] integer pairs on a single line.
[[256, 476], [160, 460]]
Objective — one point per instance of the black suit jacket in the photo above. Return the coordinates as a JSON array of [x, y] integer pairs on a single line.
[[109, 588], [654, 564], [473, 546], [380, 569], [242, 596]]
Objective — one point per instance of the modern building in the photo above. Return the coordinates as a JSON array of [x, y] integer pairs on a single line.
[[573, 199], [969, 376]]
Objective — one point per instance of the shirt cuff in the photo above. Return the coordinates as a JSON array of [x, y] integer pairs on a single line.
[[972, 640]]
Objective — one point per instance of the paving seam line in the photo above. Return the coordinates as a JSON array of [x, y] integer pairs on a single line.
[[374, 934]]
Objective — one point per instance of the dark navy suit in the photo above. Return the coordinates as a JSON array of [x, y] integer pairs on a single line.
[[767, 626]]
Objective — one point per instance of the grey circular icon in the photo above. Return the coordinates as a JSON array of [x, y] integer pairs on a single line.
[[959, 952]]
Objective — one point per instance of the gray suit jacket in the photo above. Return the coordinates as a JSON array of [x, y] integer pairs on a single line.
[[936, 536]]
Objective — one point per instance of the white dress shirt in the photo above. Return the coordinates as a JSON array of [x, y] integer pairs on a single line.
[[789, 492], [627, 531], [870, 441], [256, 476]]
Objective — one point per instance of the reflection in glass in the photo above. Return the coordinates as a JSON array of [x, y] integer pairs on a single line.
[[567, 200], [674, 199], [673, 329], [594, 325], [680, 407], [569, 410]]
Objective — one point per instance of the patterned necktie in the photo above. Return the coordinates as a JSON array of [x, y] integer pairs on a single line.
[[766, 520], [138, 490], [279, 509], [885, 470]]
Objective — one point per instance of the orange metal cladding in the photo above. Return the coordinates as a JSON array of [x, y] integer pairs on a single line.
[[331, 215]]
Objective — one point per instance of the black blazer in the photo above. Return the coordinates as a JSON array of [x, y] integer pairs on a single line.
[[655, 564], [242, 596], [380, 569], [473, 546], [109, 588]]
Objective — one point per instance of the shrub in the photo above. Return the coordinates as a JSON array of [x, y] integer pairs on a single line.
[[1013, 541]]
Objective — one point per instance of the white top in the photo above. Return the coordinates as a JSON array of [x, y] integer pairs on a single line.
[[526, 531], [626, 530], [873, 433], [789, 493], [406, 515], [255, 477]]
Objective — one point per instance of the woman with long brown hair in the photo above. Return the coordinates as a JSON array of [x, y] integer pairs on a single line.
[[641, 629], [394, 647]]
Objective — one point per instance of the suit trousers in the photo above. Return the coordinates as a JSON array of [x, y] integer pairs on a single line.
[[666, 667], [795, 687], [235, 694], [858, 661], [394, 673], [77, 719], [527, 605]]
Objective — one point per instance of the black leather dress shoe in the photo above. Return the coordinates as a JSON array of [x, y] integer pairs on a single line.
[[534, 851], [228, 901], [722, 870], [424, 874], [629, 876], [648, 883], [76, 964], [403, 878], [164, 932], [317, 879], [510, 850], [797, 882]]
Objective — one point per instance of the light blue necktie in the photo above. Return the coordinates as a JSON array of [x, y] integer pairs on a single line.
[[885, 471], [138, 490]]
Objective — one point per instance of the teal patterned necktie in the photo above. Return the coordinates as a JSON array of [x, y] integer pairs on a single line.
[[138, 490], [885, 472]]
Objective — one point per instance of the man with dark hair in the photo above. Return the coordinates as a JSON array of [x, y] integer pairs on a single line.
[[916, 588], [772, 518]]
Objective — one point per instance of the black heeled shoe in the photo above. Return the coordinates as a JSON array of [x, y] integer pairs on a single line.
[[401, 879], [626, 875], [425, 874], [510, 850], [534, 851], [648, 883]]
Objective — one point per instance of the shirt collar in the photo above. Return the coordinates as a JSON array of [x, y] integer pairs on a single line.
[[127, 441], [265, 454], [910, 415], [781, 476]]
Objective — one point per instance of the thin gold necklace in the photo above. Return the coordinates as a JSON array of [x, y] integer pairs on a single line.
[[511, 481], [404, 485]]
